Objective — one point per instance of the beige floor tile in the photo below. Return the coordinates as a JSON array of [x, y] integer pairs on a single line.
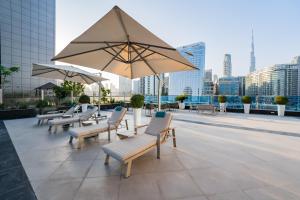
[[72, 169], [98, 189], [58, 189]]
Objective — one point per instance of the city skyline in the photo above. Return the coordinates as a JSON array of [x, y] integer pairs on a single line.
[[222, 33]]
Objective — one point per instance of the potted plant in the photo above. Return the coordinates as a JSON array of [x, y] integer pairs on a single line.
[[281, 101], [85, 101], [137, 102], [222, 102], [180, 99], [41, 104], [247, 102]]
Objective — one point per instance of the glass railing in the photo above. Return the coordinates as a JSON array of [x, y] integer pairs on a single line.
[[234, 102]]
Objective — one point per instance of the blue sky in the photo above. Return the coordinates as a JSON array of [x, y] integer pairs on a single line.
[[224, 25]]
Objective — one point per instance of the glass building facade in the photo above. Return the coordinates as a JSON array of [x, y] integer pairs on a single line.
[[27, 30], [282, 79], [189, 82]]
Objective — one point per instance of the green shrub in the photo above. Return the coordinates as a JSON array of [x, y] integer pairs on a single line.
[[42, 104], [246, 99], [137, 101], [23, 105], [84, 99], [181, 98], [281, 100], [222, 99], [1, 106]]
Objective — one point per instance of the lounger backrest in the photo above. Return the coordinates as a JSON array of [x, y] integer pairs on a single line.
[[71, 110], [117, 116], [88, 114], [158, 124]]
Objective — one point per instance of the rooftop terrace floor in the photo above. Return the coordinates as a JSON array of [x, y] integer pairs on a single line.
[[227, 156]]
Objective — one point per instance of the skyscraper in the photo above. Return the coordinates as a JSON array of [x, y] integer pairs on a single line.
[[227, 67], [280, 79], [252, 56], [208, 75], [189, 82], [27, 36]]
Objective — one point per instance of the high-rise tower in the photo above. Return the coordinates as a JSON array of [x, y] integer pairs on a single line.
[[252, 56], [227, 68]]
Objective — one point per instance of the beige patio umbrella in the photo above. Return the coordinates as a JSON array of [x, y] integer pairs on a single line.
[[120, 45], [67, 72]]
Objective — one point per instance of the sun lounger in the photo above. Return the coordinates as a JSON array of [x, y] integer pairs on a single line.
[[47, 117], [84, 116], [92, 131], [131, 148]]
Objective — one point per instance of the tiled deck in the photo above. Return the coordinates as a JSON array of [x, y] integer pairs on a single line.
[[228, 156]]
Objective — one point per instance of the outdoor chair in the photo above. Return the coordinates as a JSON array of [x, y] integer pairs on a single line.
[[128, 149], [94, 130], [81, 117], [48, 117]]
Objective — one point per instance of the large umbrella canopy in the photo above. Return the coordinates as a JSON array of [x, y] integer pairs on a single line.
[[120, 45], [65, 72]]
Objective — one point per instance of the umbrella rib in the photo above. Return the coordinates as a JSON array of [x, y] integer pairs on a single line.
[[145, 61], [43, 72], [113, 58], [150, 54], [145, 49], [84, 78], [172, 58], [120, 56], [122, 23], [84, 52], [117, 58]]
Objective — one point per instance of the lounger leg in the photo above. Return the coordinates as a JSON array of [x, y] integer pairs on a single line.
[[158, 149], [80, 143], [126, 122], [49, 129], [106, 159], [71, 139], [108, 134], [39, 122], [128, 169], [174, 138], [55, 129]]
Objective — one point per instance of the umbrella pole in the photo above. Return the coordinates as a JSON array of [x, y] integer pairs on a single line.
[[42, 94], [72, 96], [159, 93], [99, 97]]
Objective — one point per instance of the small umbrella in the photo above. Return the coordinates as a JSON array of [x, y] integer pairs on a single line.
[[66, 72], [120, 45]]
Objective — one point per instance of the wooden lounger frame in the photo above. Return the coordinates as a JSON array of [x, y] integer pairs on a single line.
[[161, 138]]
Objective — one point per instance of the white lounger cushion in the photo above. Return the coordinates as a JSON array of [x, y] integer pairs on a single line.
[[158, 124], [50, 116], [56, 115], [124, 149], [64, 121], [87, 130]]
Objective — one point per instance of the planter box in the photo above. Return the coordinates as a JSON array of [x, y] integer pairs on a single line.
[[17, 113]]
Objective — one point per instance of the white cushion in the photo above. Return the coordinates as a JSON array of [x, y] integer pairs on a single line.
[[158, 124], [87, 130], [50, 116], [124, 149], [117, 116], [64, 121]]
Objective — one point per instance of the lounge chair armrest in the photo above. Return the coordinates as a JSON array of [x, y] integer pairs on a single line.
[[167, 129], [141, 126]]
